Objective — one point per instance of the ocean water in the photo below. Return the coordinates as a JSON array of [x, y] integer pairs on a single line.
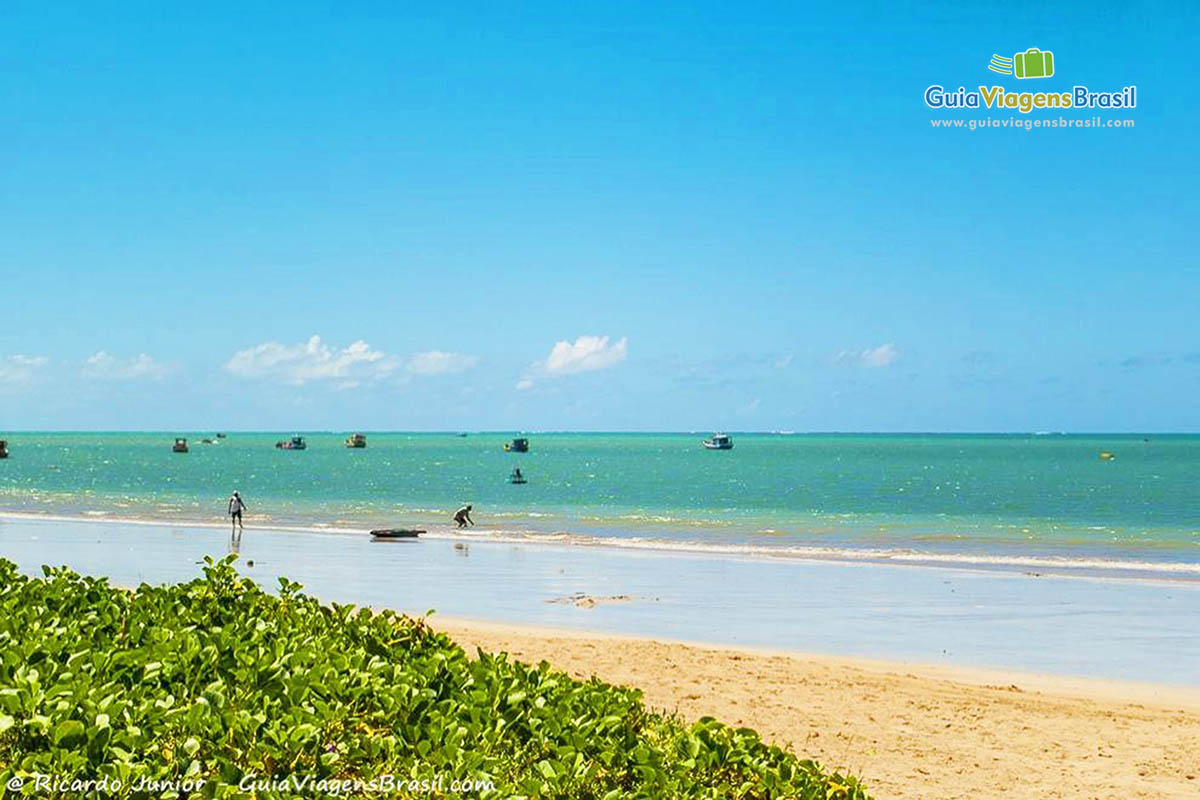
[[1016, 501]]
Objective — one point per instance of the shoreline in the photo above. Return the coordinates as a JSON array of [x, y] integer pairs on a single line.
[[908, 730], [1088, 568], [1078, 687], [1137, 630]]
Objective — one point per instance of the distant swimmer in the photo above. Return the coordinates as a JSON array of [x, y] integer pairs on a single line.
[[236, 507], [463, 516]]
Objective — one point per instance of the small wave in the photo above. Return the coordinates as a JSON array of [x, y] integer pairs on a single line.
[[662, 519], [521, 515], [836, 554]]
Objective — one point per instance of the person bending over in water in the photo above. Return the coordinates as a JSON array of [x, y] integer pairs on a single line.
[[463, 516], [236, 507]]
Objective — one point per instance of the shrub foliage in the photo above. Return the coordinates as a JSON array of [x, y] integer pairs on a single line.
[[216, 680]]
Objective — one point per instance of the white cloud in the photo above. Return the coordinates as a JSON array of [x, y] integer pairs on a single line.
[[435, 362], [871, 358], [20, 368], [784, 361], [103, 366], [588, 353], [881, 356], [312, 361], [585, 354]]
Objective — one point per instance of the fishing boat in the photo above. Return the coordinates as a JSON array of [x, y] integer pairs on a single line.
[[357, 440], [220, 436], [180, 445], [396, 533], [517, 446], [3, 448], [295, 443], [719, 441], [516, 476]]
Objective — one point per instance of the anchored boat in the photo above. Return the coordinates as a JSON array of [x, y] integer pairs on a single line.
[[358, 440], [517, 446], [719, 441], [3, 448], [180, 445], [295, 443]]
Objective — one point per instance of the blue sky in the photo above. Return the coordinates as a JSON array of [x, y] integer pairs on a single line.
[[631, 216]]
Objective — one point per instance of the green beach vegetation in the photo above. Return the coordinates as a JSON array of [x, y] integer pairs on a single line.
[[217, 688]]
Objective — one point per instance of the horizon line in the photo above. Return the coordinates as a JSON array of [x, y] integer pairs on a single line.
[[598, 431]]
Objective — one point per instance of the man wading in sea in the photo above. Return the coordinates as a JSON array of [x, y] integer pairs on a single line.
[[463, 516], [236, 507]]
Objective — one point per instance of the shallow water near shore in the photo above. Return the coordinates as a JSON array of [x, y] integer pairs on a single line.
[[1144, 630], [1018, 501]]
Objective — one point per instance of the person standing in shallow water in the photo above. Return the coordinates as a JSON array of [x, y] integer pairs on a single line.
[[236, 507], [463, 516]]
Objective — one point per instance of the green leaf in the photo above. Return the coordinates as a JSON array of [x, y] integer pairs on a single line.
[[281, 684], [68, 734]]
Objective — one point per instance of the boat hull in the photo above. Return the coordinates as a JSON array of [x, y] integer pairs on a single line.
[[396, 533]]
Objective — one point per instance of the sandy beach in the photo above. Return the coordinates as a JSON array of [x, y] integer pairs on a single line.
[[909, 731]]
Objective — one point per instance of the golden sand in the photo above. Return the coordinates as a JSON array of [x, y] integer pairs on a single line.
[[908, 731]]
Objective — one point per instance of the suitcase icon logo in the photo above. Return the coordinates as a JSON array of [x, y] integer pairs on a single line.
[[1033, 63]]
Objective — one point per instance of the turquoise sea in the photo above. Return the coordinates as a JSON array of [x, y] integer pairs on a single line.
[[1001, 500]]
